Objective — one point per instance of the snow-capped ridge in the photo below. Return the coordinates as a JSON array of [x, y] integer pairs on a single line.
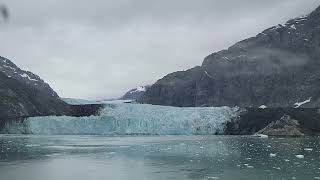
[[12, 71], [139, 89]]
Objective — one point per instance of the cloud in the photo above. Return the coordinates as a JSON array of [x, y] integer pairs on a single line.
[[102, 49]]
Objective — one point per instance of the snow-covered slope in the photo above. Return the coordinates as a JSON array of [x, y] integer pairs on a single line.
[[135, 94], [24, 94], [131, 119], [26, 77]]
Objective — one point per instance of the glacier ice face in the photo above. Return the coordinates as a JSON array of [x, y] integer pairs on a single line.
[[138, 119], [73, 101]]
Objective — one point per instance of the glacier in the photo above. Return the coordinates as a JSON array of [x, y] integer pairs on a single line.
[[133, 119]]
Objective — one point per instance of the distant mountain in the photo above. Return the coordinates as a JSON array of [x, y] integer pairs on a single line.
[[277, 68], [135, 94], [24, 94]]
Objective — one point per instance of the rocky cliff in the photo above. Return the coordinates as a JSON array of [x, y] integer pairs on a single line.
[[277, 68], [24, 94], [253, 120]]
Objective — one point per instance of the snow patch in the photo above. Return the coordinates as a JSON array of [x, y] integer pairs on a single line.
[[9, 67], [24, 75], [293, 27], [208, 74], [299, 104], [263, 107], [139, 89]]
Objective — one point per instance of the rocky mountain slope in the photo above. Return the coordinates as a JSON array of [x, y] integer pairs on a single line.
[[24, 94], [270, 120], [277, 68], [135, 94]]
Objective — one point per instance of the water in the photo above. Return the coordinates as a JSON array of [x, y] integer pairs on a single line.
[[35, 157]]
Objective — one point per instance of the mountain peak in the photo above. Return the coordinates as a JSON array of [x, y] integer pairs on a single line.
[[276, 68]]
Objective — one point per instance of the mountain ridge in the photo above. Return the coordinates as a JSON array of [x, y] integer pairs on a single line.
[[24, 94], [276, 68]]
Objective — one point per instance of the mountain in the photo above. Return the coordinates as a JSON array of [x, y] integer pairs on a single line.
[[277, 68], [135, 94], [24, 94]]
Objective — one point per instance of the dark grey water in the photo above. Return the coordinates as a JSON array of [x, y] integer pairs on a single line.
[[157, 158]]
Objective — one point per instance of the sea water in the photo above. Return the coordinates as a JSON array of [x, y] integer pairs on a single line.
[[38, 157]]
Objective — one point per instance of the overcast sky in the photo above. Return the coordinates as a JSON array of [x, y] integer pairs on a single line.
[[100, 49]]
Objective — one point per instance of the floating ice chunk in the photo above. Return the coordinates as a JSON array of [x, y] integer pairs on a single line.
[[213, 177], [272, 155], [308, 149], [263, 107], [299, 104], [248, 166], [316, 177], [32, 145], [300, 156], [260, 135]]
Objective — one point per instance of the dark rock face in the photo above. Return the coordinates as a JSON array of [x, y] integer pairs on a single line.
[[17, 99], [135, 94], [23, 94], [25, 77], [283, 127], [86, 110], [277, 68], [253, 120]]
